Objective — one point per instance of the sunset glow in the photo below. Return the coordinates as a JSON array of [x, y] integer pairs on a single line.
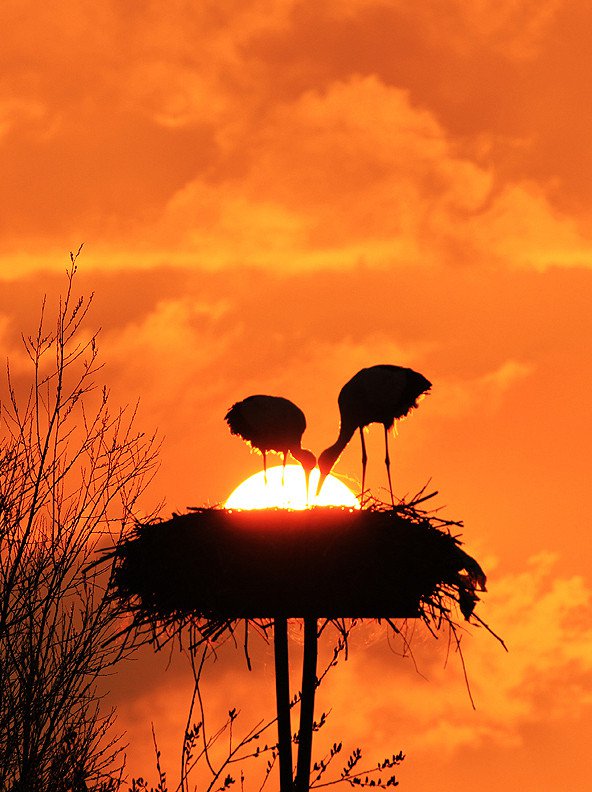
[[255, 493], [272, 195]]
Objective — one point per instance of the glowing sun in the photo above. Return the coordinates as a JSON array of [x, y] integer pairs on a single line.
[[254, 493]]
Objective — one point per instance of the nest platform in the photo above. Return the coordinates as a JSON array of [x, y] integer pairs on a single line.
[[322, 563]]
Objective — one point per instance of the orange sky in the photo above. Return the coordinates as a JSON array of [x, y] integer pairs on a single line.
[[272, 196]]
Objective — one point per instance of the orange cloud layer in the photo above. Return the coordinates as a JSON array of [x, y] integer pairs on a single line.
[[180, 137], [274, 194]]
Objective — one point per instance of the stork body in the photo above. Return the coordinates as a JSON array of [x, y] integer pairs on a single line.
[[272, 423], [379, 394]]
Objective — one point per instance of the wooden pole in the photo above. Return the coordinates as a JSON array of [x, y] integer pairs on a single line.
[[282, 694], [309, 684]]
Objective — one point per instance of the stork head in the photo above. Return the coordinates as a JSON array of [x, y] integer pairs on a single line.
[[308, 461], [326, 461]]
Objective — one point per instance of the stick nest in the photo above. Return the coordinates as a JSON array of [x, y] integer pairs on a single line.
[[211, 567]]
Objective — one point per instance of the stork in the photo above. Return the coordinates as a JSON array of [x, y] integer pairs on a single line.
[[272, 423], [379, 394]]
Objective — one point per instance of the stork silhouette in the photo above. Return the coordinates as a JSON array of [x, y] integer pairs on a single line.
[[272, 423], [379, 394]]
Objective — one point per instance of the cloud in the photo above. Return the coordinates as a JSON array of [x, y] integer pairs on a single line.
[[482, 394], [514, 29], [15, 111], [348, 173], [168, 349], [545, 676], [357, 172], [184, 154], [377, 699], [521, 228]]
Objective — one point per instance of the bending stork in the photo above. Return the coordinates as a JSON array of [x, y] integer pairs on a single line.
[[379, 394], [272, 423]]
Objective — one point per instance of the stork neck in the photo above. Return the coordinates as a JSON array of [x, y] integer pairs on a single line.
[[346, 431], [299, 453]]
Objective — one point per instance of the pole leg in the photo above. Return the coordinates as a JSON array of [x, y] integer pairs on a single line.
[[282, 693], [309, 684]]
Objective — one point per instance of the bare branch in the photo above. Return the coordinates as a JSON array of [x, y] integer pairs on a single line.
[[71, 472]]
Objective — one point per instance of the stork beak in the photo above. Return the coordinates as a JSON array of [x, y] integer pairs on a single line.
[[322, 478], [307, 482]]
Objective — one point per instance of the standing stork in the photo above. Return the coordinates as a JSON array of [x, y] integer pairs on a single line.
[[272, 423], [379, 394]]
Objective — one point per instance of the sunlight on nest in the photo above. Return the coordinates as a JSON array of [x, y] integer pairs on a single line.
[[290, 493]]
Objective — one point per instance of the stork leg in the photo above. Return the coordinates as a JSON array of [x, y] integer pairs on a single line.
[[284, 468], [265, 466], [387, 462], [364, 461]]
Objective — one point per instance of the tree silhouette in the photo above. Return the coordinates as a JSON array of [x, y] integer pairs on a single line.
[[217, 756], [71, 471]]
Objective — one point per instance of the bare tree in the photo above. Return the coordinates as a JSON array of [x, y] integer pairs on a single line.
[[71, 472], [215, 757]]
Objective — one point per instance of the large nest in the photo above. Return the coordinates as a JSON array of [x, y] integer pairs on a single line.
[[211, 567]]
